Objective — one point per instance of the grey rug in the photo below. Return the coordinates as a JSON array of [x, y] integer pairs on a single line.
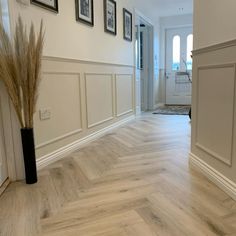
[[172, 110]]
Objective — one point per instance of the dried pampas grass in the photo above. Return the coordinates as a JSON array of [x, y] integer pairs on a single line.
[[20, 65]]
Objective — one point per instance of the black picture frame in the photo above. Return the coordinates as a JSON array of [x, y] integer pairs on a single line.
[[45, 5], [110, 17], [82, 12], [127, 25]]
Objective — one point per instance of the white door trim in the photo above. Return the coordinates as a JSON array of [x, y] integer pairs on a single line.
[[8, 136], [140, 16]]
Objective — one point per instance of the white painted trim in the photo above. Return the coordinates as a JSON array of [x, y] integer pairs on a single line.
[[160, 104], [89, 126], [216, 177], [215, 47], [62, 59], [62, 152], [58, 138], [150, 98], [125, 113], [198, 144], [4, 186], [116, 100], [76, 131], [141, 15], [138, 110], [100, 122]]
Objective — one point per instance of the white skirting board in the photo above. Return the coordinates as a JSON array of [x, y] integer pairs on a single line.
[[221, 181], [68, 149]]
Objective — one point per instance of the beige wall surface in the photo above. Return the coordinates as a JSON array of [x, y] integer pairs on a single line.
[[70, 39], [83, 98], [213, 146], [214, 107], [214, 22], [87, 74]]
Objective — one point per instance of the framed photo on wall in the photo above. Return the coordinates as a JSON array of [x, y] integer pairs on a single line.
[[127, 25], [51, 5], [84, 11], [110, 16]]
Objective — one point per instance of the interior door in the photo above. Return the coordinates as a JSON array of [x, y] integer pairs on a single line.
[[3, 161], [144, 66], [179, 44]]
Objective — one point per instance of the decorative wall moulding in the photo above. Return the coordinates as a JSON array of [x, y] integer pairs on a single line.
[[220, 180]]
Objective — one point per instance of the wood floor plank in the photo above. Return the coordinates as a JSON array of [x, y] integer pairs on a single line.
[[134, 181]]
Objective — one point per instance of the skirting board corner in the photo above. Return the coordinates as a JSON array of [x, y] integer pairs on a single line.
[[221, 181], [68, 149]]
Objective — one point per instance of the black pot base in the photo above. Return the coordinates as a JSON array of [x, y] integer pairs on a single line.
[[27, 137]]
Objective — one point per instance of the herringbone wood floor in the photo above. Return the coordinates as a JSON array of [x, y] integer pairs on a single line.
[[134, 181]]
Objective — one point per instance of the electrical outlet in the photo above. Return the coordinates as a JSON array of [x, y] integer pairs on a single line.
[[45, 114]]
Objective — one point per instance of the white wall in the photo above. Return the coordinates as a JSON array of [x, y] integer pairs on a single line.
[[91, 73], [213, 148], [214, 22], [67, 38]]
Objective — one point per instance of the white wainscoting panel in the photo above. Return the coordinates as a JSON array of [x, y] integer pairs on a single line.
[[124, 94], [81, 96], [99, 98], [215, 111], [59, 92]]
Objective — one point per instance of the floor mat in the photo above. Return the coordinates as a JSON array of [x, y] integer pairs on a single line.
[[172, 110]]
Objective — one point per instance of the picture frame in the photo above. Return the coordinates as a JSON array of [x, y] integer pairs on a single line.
[[110, 17], [85, 11], [51, 5], [127, 25]]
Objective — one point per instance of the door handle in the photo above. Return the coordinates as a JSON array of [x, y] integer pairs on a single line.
[[167, 75]]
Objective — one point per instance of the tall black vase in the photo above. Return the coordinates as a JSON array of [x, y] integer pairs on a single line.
[[27, 137]]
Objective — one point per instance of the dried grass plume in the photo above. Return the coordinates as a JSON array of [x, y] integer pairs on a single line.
[[20, 66]]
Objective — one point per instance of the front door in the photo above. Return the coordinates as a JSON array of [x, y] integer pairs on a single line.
[[179, 45], [3, 161]]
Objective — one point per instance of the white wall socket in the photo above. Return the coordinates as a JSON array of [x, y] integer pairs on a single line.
[[45, 114]]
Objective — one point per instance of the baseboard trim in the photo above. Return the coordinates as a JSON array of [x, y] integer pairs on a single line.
[[68, 149], [4, 186], [158, 105], [221, 181]]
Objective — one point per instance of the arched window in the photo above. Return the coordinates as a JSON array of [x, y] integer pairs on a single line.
[[189, 51], [176, 53]]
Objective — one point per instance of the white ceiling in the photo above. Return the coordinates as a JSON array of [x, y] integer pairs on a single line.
[[162, 8]]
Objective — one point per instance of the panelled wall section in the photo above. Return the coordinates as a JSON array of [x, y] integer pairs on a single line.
[[214, 114], [78, 99]]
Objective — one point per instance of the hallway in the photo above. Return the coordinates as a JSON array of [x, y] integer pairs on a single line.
[[135, 180]]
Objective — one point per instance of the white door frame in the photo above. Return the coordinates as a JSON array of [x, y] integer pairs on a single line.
[[180, 99], [8, 136], [138, 17], [11, 127], [163, 50]]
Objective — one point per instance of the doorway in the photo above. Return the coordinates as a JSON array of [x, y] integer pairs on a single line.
[[179, 46], [144, 64], [3, 161]]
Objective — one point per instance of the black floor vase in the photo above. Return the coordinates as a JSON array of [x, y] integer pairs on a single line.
[[27, 136]]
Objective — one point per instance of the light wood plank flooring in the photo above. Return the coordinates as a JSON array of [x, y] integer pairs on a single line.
[[135, 181]]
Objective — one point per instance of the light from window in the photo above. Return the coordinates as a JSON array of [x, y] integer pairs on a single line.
[[189, 51], [176, 53]]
